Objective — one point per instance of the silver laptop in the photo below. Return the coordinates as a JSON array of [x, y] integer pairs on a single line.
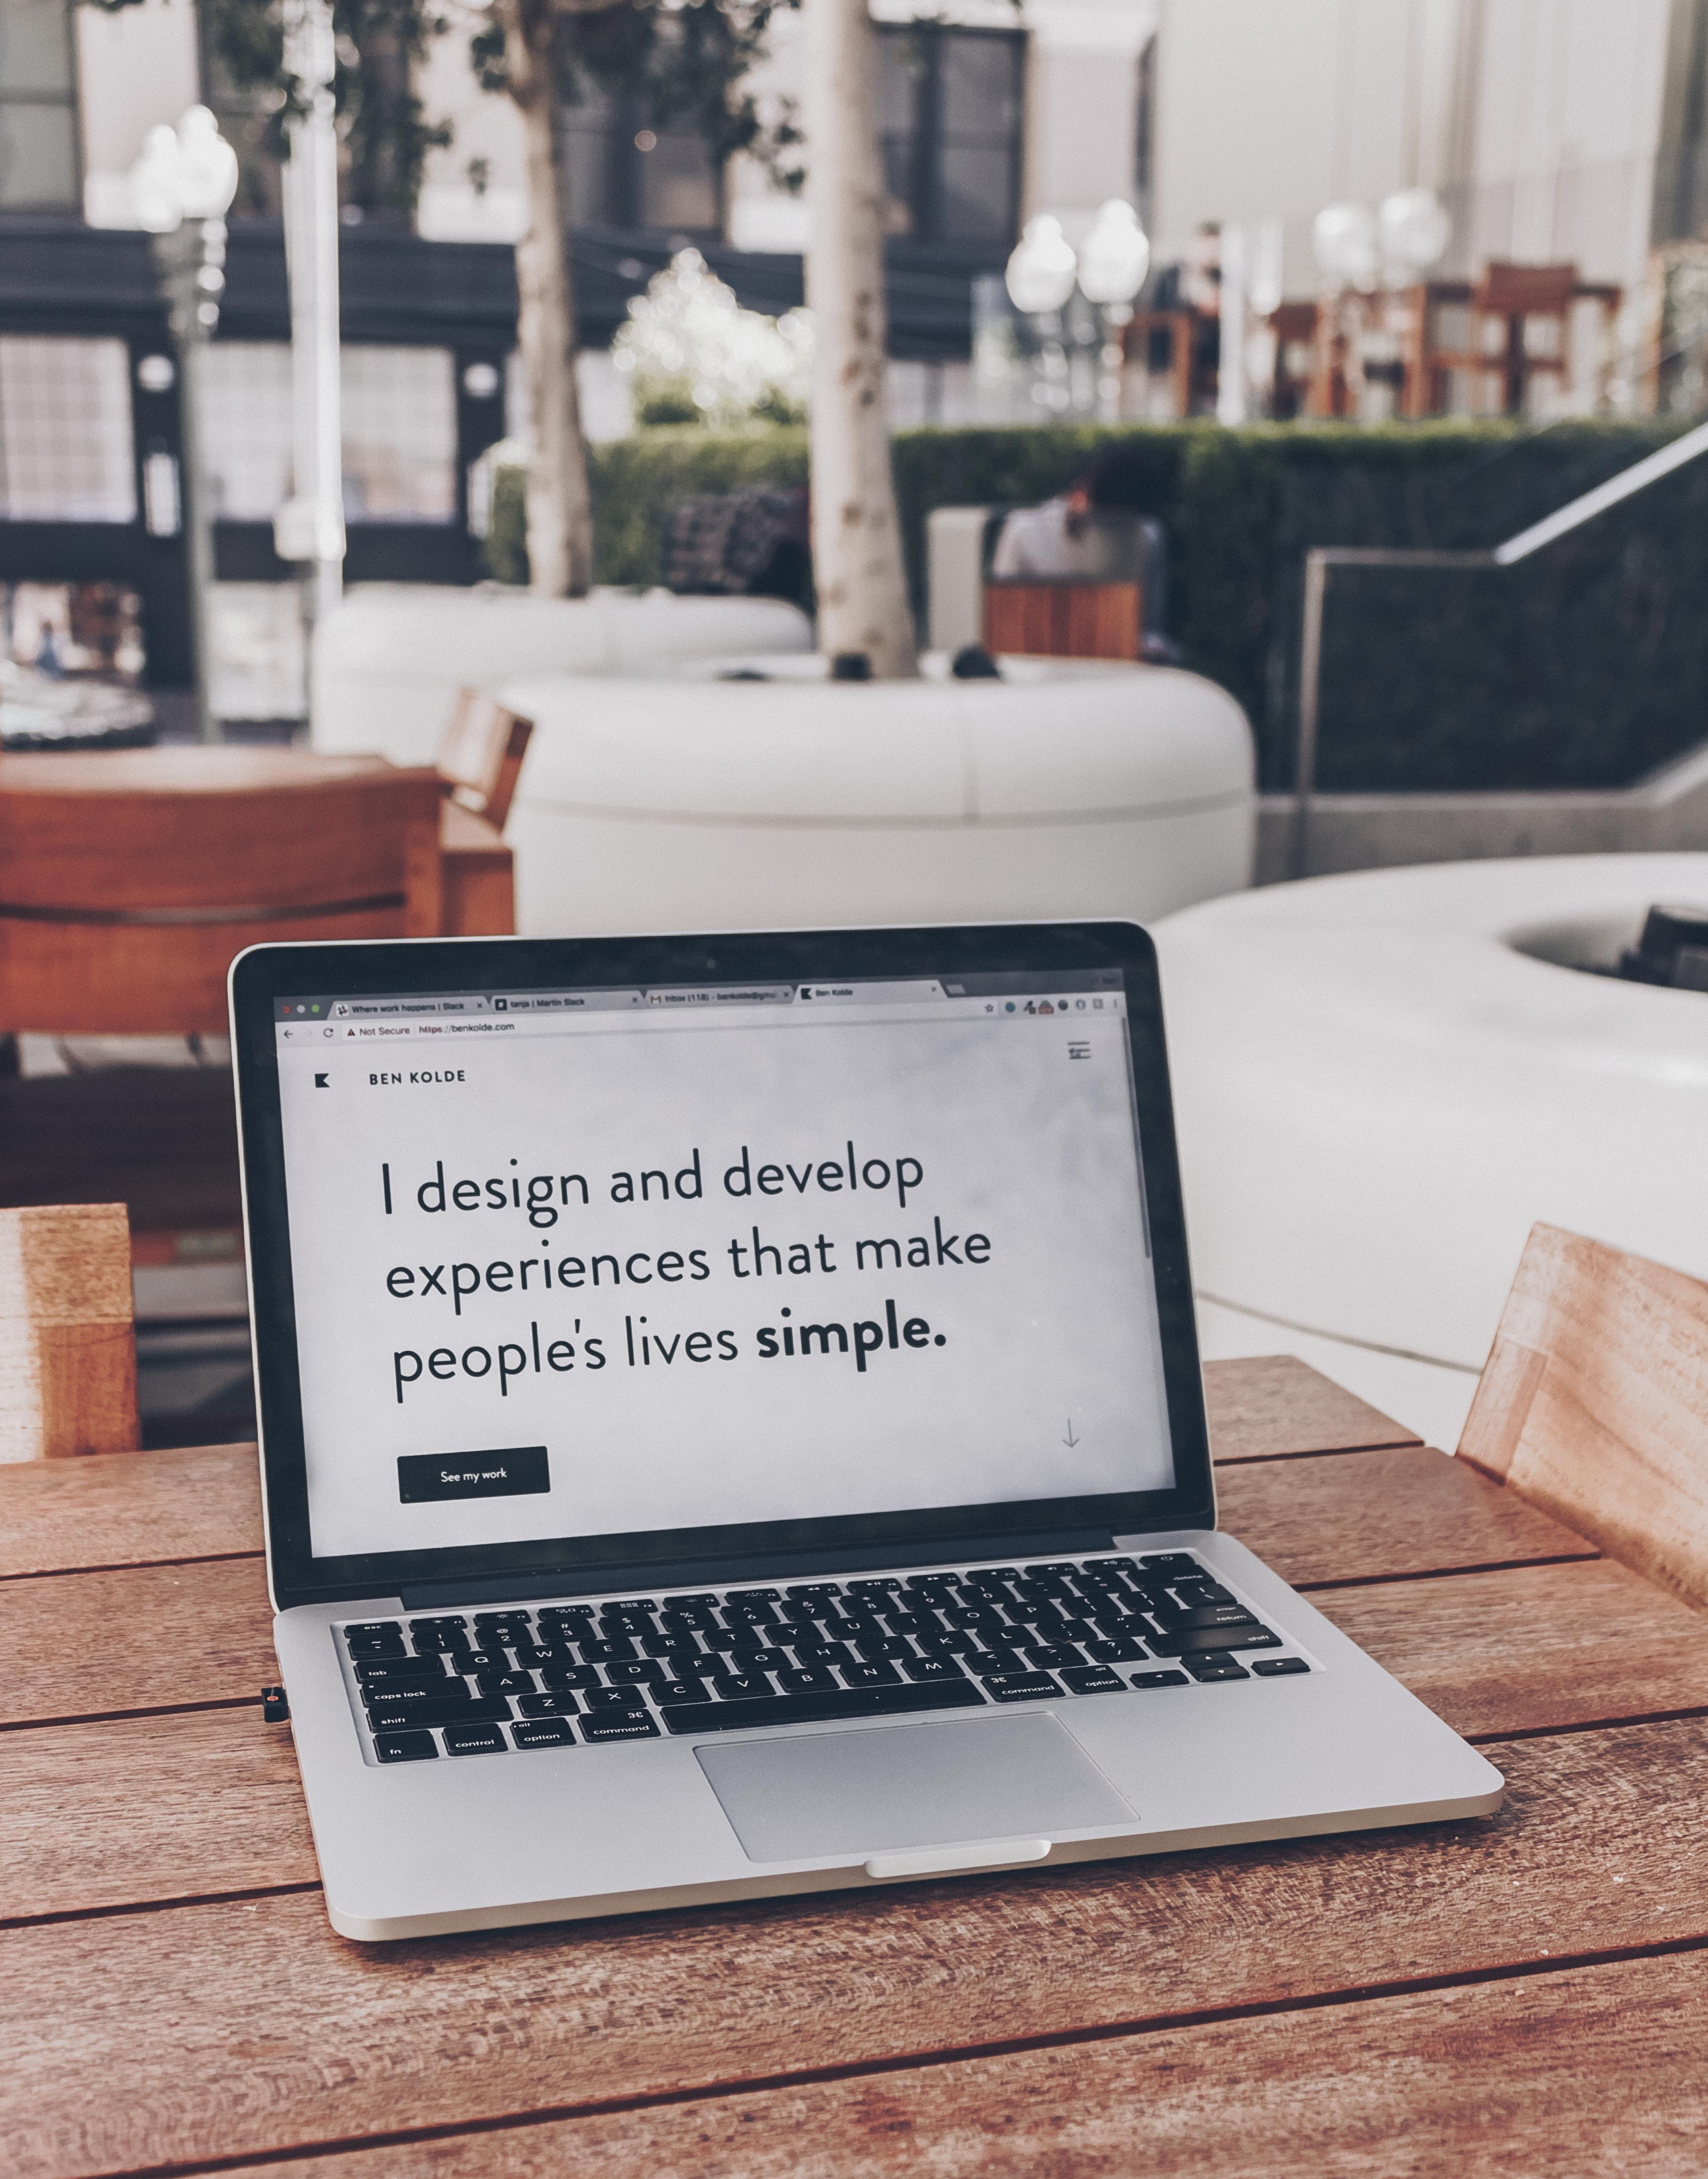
[[731, 1424]]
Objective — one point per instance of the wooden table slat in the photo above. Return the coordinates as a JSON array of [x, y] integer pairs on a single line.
[[126, 1509], [205, 1628], [273, 2033], [1485, 2078]]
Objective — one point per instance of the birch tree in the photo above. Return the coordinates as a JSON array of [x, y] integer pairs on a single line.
[[856, 538]]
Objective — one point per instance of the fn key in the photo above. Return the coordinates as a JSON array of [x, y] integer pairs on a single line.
[[404, 1746]]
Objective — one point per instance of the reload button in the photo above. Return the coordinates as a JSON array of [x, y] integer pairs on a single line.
[[516, 1471]]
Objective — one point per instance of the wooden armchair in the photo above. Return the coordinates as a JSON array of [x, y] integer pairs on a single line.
[[68, 1352], [128, 881], [1594, 1404]]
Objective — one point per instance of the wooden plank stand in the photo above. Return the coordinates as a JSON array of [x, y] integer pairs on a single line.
[[67, 1352]]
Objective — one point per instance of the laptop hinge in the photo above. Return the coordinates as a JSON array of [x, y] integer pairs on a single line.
[[691, 1573]]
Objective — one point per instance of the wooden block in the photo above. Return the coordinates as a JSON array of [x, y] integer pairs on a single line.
[[236, 2030], [1594, 1404], [68, 1352]]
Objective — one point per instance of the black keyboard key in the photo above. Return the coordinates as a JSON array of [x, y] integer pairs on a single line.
[[1230, 1614], [699, 1599], [987, 1662], [814, 1592], [805, 1679], [1159, 1680], [531, 1655], [505, 1683], [991, 1577], [1204, 1592], [1021, 1687], [1191, 1639], [401, 1672], [474, 1740], [887, 1586], [441, 1695], [375, 1645], [404, 1746], [679, 1645], [919, 1669], [1170, 1563], [1216, 1665], [634, 1604], [678, 1691], [491, 1710], [822, 1709], [636, 1674], [599, 1652], [1092, 1680], [610, 1699], [870, 1674], [621, 1725], [733, 1687], [1116, 1653], [1050, 1654], [480, 1660], [548, 1732], [552, 1705], [882, 1649], [375, 1626], [1272, 1668], [453, 1641], [564, 1615], [687, 1619], [503, 1627], [571, 1676], [446, 1623]]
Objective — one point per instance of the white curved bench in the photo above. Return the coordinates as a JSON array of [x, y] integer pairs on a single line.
[[1070, 790], [389, 659], [1377, 1095]]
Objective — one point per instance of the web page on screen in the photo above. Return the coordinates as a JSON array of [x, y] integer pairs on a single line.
[[577, 1264]]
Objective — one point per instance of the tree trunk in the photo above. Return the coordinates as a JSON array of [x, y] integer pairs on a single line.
[[856, 540], [560, 513]]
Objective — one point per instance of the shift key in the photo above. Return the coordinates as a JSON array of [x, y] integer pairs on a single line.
[[385, 1716]]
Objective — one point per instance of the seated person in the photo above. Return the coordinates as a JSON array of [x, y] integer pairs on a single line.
[[1078, 536]]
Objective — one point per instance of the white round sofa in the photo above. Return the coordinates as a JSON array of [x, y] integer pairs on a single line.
[[1069, 789], [388, 661], [1382, 1080]]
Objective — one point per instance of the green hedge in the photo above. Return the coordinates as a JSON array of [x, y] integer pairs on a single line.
[[1583, 667]]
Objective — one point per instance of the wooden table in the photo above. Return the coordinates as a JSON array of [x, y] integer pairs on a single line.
[[1523, 1992]]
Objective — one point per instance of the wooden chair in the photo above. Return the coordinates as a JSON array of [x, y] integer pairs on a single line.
[[68, 1354], [1062, 617], [1594, 1404], [128, 881], [480, 756]]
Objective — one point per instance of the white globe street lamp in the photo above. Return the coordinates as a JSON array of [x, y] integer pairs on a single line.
[[1343, 238], [1113, 259], [181, 188], [1415, 230], [1043, 269]]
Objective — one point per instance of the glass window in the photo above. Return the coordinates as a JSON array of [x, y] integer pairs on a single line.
[[622, 168], [39, 160], [949, 114], [65, 447], [400, 431]]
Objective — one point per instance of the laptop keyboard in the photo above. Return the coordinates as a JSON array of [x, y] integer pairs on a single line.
[[817, 1652]]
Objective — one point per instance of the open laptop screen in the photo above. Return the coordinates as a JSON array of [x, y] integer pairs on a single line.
[[595, 1262]]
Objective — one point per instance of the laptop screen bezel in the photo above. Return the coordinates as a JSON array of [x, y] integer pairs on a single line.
[[266, 975]]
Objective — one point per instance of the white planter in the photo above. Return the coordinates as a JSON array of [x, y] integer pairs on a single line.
[[1378, 1094], [1069, 790], [389, 661]]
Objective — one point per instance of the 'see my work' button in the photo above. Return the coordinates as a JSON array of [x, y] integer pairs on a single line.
[[516, 1471]]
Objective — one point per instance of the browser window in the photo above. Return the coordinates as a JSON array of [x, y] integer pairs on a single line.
[[585, 1263]]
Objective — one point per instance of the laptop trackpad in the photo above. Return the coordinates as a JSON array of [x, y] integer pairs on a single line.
[[909, 1786]]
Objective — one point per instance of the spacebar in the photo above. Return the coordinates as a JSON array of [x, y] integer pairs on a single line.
[[818, 1709]]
